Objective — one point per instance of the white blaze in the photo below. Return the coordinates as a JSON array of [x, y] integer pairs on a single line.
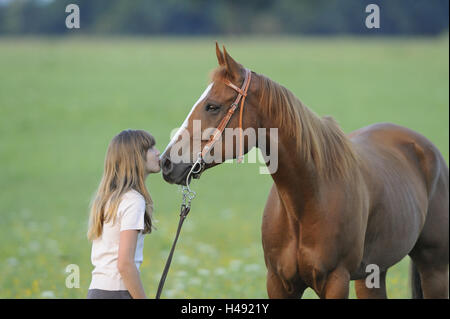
[[185, 123]]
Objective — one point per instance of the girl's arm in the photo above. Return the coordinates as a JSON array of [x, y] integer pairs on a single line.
[[126, 265]]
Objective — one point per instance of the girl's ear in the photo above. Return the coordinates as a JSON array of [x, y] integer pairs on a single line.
[[219, 55], [233, 68]]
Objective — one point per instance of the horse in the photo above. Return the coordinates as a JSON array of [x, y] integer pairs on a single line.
[[339, 202]]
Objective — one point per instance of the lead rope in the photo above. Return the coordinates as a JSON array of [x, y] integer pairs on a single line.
[[188, 196]]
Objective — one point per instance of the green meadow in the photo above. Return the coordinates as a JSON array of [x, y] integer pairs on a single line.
[[63, 99]]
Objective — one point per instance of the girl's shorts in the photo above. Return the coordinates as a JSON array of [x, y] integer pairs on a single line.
[[108, 294]]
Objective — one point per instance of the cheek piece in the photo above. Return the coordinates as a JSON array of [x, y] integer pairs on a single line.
[[198, 166]]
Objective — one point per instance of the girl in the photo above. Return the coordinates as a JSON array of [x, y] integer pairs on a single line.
[[120, 216]]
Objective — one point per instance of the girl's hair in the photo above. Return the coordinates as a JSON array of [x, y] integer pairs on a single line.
[[124, 170]]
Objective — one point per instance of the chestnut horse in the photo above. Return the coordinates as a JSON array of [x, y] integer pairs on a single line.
[[339, 203]]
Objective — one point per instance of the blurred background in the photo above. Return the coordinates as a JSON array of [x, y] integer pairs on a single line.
[[64, 94], [230, 17]]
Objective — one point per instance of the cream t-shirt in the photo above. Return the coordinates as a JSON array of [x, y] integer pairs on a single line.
[[105, 249]]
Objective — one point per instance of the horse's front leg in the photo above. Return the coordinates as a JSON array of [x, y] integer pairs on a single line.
[[335, 285], [280, 288], [364, 292]]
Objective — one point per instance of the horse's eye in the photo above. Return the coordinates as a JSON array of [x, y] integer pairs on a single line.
[[212, 108]]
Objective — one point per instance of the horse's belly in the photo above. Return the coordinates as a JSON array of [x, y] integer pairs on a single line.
[[391, 235], [399, 197]]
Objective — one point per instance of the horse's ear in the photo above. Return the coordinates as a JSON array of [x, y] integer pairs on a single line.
[[233, 68], [219, 55]]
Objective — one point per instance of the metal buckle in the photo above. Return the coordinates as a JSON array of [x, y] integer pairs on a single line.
[[188, 193]]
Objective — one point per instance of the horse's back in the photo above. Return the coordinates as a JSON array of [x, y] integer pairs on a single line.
[[407, 176], [411, 146]]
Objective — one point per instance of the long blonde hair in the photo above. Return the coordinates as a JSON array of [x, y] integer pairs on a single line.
[[124, 169]]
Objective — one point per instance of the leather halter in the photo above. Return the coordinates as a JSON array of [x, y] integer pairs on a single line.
[[242, 94]]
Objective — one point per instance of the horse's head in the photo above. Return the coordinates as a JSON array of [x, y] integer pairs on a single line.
[[199, 144]]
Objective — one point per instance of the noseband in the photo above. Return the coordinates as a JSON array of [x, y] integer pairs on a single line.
[[198, 166]]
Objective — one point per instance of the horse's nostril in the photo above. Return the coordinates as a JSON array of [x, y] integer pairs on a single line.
[[166, 164]]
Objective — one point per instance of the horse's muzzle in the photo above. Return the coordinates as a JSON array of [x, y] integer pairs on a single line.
[[175, 173]]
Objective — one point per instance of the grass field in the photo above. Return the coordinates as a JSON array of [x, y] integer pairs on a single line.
[[62, 100]]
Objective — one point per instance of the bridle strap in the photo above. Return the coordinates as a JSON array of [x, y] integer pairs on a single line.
[[241, 113], [242, 94]]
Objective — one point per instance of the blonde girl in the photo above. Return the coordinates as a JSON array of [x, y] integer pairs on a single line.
[[120, 216]]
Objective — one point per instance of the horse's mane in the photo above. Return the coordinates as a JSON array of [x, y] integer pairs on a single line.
[[320, 141]]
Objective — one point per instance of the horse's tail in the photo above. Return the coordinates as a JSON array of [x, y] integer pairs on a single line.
[[416, 286]]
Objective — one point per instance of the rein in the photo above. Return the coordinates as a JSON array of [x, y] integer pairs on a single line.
[[184, 211], [188, 193]]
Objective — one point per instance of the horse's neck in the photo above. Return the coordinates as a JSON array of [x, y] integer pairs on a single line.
[[312, 151], [299, 180], [296, 181]]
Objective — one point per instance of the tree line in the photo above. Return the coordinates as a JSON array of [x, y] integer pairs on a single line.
[[231, 17]]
